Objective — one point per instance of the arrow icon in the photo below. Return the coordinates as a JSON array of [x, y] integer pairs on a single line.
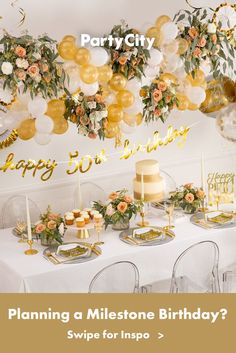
[[160, 335]]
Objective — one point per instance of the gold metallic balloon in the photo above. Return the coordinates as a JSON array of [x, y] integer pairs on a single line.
[[104, 74], [169, 77], [192, 106], [60, 125], [161, 20], [215, 97], [130, 119], [89, 74], [69, 38], [198, 79], [154, 32], [125, 98], [82, 56], [111, 130], [56, 108], [115, 113], [229, 89], [183, 101], [26, 130], [66, 50], [139, 119], [183, 46], [118, 82]]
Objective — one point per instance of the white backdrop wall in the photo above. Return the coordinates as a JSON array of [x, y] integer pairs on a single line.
[[97, 17]]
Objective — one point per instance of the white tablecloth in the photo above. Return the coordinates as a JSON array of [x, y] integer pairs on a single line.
[[21, 273]]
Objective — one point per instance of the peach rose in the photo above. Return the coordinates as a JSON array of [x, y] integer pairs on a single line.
[[189, 197], [197, 52], [188, 186], [157, 95], [113, 195], [168, 99], [122, 207], [122, 60], [53, 216], [33, 70], [79, 110], [157, 112], [202, 42], [214, 39], [128, 199], [40, 228], [200, 194], [20, 74], [162, 86], [20, 51], [92, 135], [98, 98], [51, 225], [44, 67], [193, 33]]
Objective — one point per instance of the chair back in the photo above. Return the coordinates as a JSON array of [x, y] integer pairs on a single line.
[[89, 192], [196, 269], [119, 277], [14, 210]]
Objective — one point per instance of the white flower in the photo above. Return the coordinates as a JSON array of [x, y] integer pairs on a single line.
[[61, 229], [104, 113], [37, 56], [38, 78], [211, 28], [22, 63], [92, 105], [181, 26], [6, 68], [164, 110]]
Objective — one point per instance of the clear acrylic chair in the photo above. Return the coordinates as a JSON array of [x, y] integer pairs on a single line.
[[119, 277], [14, 210], [89, 192], [196, 269], [229, 282]]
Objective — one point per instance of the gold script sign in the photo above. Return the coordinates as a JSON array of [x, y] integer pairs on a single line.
[[221, 185], [84, 163]]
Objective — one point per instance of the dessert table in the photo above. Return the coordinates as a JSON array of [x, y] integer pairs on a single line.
[[34, 274]]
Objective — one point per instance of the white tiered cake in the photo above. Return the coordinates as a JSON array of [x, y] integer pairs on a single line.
[[153, 184]]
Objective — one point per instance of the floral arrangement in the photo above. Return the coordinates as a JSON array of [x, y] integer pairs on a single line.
[[188, 197], [159, 99], [89, 113], [130, 61], [206, 42], [50, 227], [119, 207], [31, 63]]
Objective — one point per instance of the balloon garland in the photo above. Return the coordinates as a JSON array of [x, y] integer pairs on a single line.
[[110, 90]]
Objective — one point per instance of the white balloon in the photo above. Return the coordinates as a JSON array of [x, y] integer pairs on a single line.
[[136, 108], [44, 124], [89, 89], [134, 86], [24, 98], [170, 31], [126, 129], [99, 56], [196, 95], [156, 57], [37, 106], [72, 84], [110, 99], [152, 71], [42, 139], [2, 124]]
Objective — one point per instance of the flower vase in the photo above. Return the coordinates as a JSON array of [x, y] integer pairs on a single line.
[[122, 224], [47, 240]]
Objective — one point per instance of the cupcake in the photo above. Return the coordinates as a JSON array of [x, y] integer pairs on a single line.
[[86, 219], [88, 210], [69, 214], [83, 213], [80, 222], [69, 219], [76, 212], [97, 218]]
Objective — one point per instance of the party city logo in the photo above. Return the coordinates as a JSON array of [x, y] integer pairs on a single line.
[[131, 40]]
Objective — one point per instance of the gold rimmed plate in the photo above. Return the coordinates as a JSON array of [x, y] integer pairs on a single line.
[[163, 236]]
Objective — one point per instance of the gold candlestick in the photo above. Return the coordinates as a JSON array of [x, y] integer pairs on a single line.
[[143, 223], [31, 251]]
